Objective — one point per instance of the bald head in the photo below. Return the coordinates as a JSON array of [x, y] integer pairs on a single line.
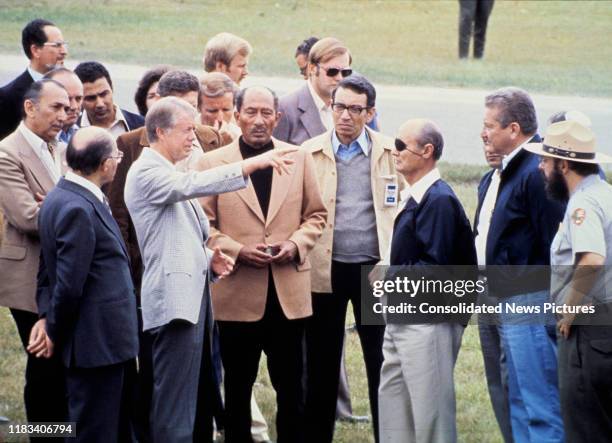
[[88, 149], [424, 132]]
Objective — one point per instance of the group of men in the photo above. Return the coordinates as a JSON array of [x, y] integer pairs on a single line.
[[141, 250]]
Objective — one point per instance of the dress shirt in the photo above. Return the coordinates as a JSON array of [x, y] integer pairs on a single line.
[[325, 112], [118, 127], [85, 183], [35, 74], [361, 144], [65, 136], [39, 146], [508, 158], [484, 217]]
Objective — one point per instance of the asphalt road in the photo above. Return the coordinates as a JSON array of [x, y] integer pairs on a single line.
[[458, 112]]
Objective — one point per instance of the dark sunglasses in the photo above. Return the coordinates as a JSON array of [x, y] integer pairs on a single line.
[[401, 146], [332, 72]]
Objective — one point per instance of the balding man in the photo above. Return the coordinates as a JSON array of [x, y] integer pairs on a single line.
[[229, 54], [71, 82], [269, 229], [172, 231], [86, 292], [28, 171], [417, 393]]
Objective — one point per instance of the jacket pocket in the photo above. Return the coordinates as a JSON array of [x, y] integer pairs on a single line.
[[11, 252], [306, 266], [602, 345]]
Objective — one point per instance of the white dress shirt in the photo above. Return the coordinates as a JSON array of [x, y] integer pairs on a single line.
[[325, 112], [39, 146], [118, 127], [87, 184]]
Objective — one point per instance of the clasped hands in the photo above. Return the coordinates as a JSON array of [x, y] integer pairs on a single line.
[[261, 254]]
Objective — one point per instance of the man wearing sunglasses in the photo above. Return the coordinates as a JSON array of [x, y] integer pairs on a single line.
[[45, 47], [307, 112], [360, 188]]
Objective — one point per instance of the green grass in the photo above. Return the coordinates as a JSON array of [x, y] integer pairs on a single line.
[[544, 46]]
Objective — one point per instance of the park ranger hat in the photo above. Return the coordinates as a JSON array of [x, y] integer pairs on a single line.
[[569, 140]]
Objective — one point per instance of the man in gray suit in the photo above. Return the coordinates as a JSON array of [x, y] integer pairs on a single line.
[[306, 112], [172, 230]]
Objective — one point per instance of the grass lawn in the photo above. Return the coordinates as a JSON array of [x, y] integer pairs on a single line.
[[543, 46]]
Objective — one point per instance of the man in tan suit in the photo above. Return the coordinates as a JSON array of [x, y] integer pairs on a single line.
[[360, 188], [268, 228], [28, 171]]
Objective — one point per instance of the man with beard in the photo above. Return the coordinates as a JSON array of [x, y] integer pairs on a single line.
[[580, 255], [522, 223], [45, 47], [98, 104], [71, 82]]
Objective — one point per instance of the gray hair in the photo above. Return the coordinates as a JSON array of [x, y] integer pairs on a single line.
[[515, 106], [164, 113], [35, 91], [177, 83], [430, 134]]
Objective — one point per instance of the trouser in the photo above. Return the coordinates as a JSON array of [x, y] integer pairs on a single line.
[[473, 13], [99, 402], [585, 383], [531, 355], [241, 346], [144, 384], [417, 389], [324, 341], [496, 372], [178, 349], [44, 393]]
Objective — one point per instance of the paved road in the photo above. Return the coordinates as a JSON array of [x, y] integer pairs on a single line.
[[457, 111]]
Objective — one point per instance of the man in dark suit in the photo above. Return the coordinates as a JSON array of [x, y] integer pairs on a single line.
[[417, 393], [306, 112], [45, 47], [518, 230], [99, 108], [185, 86], [85, 290]]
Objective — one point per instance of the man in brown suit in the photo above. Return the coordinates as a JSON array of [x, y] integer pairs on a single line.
[[28, 171], [185, 86], [268, 228]]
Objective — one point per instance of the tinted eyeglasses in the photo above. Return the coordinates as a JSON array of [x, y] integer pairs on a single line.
[[332, 72], [401, 146]]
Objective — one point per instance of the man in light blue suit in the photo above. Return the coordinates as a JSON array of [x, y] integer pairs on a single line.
[[172, 231]]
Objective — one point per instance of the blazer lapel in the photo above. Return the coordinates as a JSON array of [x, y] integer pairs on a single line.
[[280, 189], [310, 117], [31, 160]]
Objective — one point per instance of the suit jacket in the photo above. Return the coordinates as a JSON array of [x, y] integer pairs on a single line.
[[22, 175], [132, 144], [523, 224], [11, 103], [300, 119], [85, 288], [134, 121], [382, 173], [172, 231], [296, 212]]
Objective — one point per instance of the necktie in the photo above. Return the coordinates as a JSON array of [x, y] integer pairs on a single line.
[[51, 148]]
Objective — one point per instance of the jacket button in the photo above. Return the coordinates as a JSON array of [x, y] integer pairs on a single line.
[[268, 234], [331, 200]]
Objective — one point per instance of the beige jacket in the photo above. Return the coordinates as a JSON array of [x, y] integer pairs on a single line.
[[295, 213], [383, 173]]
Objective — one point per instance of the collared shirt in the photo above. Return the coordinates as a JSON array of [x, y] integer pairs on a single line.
[[484, 217], [508, 158], [39, 146], [65, 136], [325, 112], [118, 127], [361, 144], [85, 183], [35, 74], [417, 192]]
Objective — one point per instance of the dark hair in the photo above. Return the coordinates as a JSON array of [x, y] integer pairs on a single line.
[[515, 106], [56, 71], [242, 92], [580, 168], [360, 85], [151, 76], [89, 72], [431, 134], [35, 91], [174, 83], [88, 159], [304, 47], [34, 34]]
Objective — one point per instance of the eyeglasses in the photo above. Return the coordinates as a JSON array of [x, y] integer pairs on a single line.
[[401, 146], [56, 45], [339, 108], [117, 157], [332, 72]]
